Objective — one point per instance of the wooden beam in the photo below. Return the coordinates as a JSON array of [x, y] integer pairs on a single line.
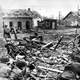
[[50, 69]]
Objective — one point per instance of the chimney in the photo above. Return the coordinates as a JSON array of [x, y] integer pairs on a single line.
[[29, 9]]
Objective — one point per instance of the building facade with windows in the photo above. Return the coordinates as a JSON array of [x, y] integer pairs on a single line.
[[18, 19]]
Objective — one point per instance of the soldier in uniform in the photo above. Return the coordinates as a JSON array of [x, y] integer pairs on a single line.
[[6, 32]]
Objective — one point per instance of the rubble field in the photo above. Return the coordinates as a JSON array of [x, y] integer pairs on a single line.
[[51, 63]]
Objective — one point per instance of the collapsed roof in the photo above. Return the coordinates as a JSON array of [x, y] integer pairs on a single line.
[[22, 13]]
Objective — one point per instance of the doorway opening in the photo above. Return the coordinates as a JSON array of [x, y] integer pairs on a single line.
[[19, 25], [27, 25]]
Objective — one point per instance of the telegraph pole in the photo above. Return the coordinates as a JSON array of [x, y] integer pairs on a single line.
[[77, 17], [59, 17]]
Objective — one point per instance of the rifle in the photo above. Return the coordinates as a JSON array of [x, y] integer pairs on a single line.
[[58, 43]]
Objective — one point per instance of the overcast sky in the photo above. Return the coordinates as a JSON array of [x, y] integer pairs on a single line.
[[44, 7]]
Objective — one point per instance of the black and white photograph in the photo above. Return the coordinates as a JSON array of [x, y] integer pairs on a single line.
[[39, 39]]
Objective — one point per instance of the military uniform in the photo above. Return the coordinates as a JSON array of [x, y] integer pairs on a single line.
[[6, 33]]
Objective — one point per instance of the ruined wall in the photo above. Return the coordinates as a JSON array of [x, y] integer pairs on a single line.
[[16, 20]]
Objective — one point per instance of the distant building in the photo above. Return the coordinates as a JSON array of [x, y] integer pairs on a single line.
[[20, 19], [37, 17], [48, 24], [35, 22], [72, 19]]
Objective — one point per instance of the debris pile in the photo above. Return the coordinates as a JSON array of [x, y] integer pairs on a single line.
[[34, 59]]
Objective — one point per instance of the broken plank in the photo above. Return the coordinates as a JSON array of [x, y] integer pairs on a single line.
[[44, 46], [50, 69]]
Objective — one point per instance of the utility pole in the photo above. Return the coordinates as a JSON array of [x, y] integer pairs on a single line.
[[59, 17], [77, 18]]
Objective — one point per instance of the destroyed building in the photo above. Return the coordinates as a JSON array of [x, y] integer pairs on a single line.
[[72, 19], [48, 24], [20, 19]]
